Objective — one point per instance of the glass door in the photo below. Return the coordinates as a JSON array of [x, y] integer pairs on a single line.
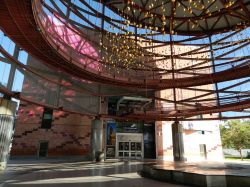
[[121, 149], [129, 146], [130, 150], [126, 150], [138, 150]]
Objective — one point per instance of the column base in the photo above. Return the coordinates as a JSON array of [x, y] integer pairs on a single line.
[[3, 165]]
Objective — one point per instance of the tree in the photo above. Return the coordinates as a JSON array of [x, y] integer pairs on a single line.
[[236, 135]]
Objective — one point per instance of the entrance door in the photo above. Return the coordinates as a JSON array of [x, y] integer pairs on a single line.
[[43, 148], [129, 145], [203, 151]]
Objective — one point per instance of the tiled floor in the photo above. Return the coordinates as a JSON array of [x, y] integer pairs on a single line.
[[73, 174]]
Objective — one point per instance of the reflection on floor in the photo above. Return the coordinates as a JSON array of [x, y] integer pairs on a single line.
[[207, 168], [208, 174], [85, 174]]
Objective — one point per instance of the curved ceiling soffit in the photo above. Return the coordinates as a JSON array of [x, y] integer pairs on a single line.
[[24, 22]]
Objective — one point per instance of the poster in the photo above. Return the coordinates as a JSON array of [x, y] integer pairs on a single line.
[[111, 134], [110, 151], [111, 140]]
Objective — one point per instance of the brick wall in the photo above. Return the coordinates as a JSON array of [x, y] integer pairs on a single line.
[[69, 134]]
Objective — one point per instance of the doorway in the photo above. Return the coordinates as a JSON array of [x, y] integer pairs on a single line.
[[43, 149], [203, 151], [130, 145]]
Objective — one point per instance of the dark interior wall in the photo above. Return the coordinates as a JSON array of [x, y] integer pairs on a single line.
[[149, 140]]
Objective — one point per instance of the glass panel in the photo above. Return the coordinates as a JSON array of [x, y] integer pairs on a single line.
[[18, 81], [138, 154], [47, 118], [120, 154], [126, 154], [138, 146], [126, 146], [132, 154], [121, 146], [133, 146], [4, 73]]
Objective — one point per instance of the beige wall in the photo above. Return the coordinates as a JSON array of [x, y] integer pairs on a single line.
[[192, 138]]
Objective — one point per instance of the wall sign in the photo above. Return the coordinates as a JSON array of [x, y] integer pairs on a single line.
[[110, 151]]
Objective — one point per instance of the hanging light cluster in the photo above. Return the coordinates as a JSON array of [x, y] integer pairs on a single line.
[[171, 16], [138, 35], [122, 51]]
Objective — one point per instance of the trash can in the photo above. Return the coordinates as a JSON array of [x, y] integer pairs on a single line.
[[99, 156]]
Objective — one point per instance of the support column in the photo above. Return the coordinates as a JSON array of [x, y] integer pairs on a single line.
[[214, 71], [7, 117], [13, 69], [97, 140], [178, 146]]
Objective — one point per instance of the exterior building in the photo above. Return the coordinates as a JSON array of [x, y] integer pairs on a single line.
[[201, 141]]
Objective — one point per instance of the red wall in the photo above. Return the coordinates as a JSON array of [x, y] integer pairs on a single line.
[[68, 136]]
